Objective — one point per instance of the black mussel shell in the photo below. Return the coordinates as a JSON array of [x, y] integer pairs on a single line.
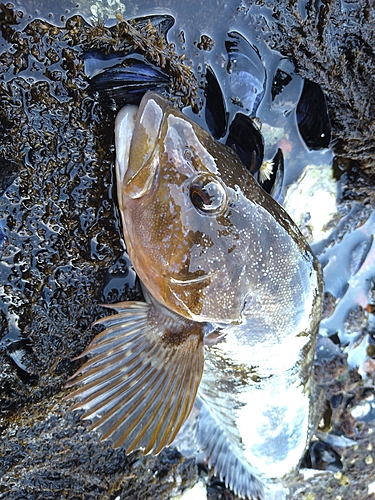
[[274, 184], [97, 61], [322, 457], [246, 73], [216, 115], [312, 117], [19, 351], [286, 88], [126, 83], [247, 141]]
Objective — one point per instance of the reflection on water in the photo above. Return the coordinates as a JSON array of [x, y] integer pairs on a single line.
[[349, 270]]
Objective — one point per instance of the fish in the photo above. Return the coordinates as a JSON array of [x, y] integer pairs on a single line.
[[219, 355]]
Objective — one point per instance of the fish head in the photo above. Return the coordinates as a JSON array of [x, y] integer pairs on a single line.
[[192, 214]]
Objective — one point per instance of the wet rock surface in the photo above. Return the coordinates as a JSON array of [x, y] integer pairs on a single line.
[[62, 253], [331, 43]]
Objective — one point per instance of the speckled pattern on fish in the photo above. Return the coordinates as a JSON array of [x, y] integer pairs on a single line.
[[233, 302]]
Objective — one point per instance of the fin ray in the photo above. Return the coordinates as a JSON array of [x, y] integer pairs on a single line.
[[142, 376], [159, 407], [109, 396], [145, 398], [224, 455]]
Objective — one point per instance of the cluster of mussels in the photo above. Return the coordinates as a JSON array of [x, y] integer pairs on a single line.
[[245, 95]]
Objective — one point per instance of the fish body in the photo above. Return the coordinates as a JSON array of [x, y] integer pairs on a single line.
[[222, 348]]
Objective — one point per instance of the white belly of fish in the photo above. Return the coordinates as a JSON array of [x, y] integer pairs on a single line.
[[272, 411], [274, 424], [256, 382], [251, 420]]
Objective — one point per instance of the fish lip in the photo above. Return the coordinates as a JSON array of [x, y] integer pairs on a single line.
[[127, 122], [150, 117], [124, 129]]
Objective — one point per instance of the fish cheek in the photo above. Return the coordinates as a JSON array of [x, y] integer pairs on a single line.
[[164, 251], [155, 233]]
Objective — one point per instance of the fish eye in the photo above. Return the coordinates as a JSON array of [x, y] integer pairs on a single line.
[[207, 194], [187, 154]]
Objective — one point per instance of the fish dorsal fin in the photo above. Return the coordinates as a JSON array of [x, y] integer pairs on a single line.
[[141, 380], [218, 439]]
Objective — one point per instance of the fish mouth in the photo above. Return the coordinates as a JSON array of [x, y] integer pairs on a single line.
[[124, 129], [137, 131], [146, 132]]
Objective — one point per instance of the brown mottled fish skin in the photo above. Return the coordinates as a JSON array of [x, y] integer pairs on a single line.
[[233, 302]]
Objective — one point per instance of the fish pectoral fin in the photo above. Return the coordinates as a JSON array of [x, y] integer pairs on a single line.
[[141, 380]]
